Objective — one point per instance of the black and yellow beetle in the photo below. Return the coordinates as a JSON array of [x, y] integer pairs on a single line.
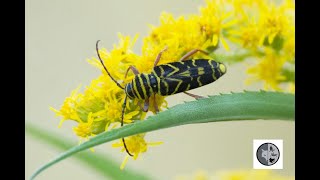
[[168, 79]]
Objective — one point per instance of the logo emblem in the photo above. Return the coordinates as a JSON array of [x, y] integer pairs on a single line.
[[267, 154]]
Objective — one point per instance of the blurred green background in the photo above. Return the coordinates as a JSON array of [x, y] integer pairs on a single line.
[[61, 35]]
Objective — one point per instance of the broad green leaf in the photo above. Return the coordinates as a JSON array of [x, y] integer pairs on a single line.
[[225, 107], [94, 160]]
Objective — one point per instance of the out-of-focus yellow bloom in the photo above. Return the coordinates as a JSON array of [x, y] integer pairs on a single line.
[[236, 175], [251, 174], [268, 70], [289, 49], [243, 7], [201, 175], [274, 21], [248, 36], [291, 88], [267, 31], [215, 21]]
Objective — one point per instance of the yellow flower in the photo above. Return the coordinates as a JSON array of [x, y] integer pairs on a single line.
[[84, 128], [248, 35], [184, 34], [67, 110], [291, 87], [180, 35], [267, 31], [243, 6], [251, 174], [263, 23], [120, 57], [99, 107], [215, 22], [136, 145], [268, 70], [236, 175], [289, 48], [274, 21]]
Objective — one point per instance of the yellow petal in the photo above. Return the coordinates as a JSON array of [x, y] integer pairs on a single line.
[[115, 125], [234, 32], [230, 23], [131, 114], [54, 110], [224, 44], [271, 37], [215, 39], [124, 162], [116, 145], [262, 39], [236, 40], [107, 126], [60, 123]]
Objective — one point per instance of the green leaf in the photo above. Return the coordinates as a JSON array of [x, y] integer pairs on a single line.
[[289, 74], [225, 107], [98, 162]]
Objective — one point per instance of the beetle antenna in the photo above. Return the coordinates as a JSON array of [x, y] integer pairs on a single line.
[[122, 116], [97, 49]]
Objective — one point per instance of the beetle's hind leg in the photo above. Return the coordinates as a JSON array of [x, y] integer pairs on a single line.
[[159, 56], [193, 95], [145, 106], [133, 69], [155, 103], [185, 57], [192, 52]]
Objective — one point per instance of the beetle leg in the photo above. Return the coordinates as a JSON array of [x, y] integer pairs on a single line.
[[193, 95], [146, 105], [185, 57], [139, 104], [155, 103], [133, 69], [192, 52], [159, 56]]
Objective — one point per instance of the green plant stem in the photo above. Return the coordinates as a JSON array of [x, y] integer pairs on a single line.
[[94, 160], [231, 59]]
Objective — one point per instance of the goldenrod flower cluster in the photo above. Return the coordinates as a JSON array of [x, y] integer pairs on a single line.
[[259, 29], [235, 175], [267, 33]]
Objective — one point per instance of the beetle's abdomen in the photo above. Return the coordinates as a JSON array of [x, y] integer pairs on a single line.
[[178, 77]]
